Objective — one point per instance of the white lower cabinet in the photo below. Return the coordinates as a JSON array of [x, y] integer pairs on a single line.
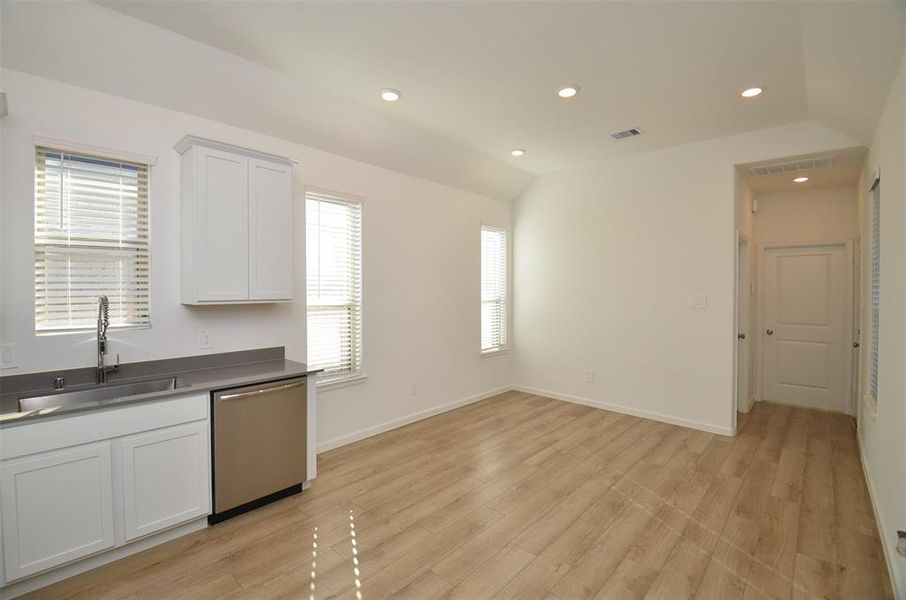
[[80, 485], [57, 507], [165, 478]]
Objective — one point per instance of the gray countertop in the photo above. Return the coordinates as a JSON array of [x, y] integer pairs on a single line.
[[200, 374]]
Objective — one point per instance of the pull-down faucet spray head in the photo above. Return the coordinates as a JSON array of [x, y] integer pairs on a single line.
[[103, 323]]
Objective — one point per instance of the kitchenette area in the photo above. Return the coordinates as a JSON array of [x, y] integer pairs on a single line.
[[92, 472], [100, 462]]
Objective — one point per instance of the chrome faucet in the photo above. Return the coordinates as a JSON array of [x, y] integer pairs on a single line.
[[103, 323]]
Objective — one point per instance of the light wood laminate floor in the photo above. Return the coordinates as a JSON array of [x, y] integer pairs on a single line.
[[525, 497]]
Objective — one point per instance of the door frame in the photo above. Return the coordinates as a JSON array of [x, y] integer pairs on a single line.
[[847, 245], [856, 325], [741, 238]]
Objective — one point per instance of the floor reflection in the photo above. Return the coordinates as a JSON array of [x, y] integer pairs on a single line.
[[356, 572]]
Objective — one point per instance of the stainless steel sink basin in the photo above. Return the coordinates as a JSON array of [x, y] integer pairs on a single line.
[[100, 393]]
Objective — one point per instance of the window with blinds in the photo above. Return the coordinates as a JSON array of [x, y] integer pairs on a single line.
[[91, 239], [334, 285], [493, 290], [875, 290]]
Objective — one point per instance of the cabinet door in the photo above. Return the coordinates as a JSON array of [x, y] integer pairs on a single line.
[[57, 507], [270, 231], [165, 478], [221, 226]]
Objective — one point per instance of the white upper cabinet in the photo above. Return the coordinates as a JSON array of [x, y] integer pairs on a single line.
[[270, 231], [220, 235], [237, 219]]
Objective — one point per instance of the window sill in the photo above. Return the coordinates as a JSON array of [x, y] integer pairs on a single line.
[[490, 353], [336, 384]]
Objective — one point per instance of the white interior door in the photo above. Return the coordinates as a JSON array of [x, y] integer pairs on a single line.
[[856, 324], [807, 295], [743, 342]]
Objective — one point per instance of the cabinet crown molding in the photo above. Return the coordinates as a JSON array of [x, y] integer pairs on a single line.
[[188, 141]]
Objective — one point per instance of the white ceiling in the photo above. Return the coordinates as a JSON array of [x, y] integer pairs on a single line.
[[479, 78], [87, 45], [844, 170], [485, 73]]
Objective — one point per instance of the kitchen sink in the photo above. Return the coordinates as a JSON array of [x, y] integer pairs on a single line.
[[100, 394]]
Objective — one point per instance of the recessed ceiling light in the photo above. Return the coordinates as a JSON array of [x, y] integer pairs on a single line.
[[801, 179], [390, 95], [751, 92], [517, 151], [568, 91]]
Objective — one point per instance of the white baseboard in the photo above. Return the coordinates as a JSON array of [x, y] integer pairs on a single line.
[[361, 434], [749, 406], [645, 414], [889, 552]]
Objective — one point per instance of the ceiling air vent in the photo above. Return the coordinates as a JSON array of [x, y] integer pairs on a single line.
[[627, 133], [793, 166]]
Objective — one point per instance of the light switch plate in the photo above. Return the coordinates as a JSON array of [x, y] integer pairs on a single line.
[[204, 338], [8, 356], [698, 302]]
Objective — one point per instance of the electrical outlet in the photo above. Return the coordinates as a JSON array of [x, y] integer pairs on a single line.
[[589, 376], [414, 388], [204, 338]]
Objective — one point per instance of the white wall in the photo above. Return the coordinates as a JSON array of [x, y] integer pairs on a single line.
[[882, 433], [607, 258], [421, 261], [821, 215]]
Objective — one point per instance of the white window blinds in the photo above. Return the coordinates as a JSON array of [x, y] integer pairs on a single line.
[[493, 290], [334, 285], [875, 290], [91, 239]]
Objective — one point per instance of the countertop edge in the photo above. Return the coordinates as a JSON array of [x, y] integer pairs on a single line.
[[200, 381]]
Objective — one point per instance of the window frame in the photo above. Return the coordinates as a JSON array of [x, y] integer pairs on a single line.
[[874, 308], [102, 153], [335, 381], [503, 349]]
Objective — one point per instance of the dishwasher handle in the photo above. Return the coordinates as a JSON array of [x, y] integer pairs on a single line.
[[259, 392]]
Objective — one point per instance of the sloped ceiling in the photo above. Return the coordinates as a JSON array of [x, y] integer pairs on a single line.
[[479, 78], [87, 45]]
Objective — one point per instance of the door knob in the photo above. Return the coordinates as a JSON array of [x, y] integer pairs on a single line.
[[770, 332], [741, 336], [856, 344]]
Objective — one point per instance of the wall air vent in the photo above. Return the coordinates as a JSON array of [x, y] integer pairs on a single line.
[[793, 166], [627, 133]]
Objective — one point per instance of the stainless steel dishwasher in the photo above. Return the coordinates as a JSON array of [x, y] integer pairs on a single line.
[[259, 445]]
